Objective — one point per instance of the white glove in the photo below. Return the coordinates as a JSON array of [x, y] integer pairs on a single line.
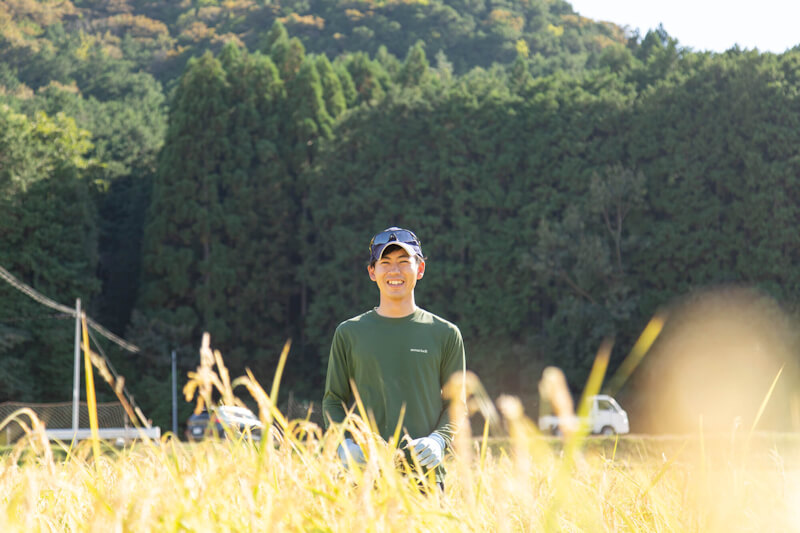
[[349, 452], [428, 450]]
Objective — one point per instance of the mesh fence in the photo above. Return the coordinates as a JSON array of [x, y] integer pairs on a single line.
[[59, 416]]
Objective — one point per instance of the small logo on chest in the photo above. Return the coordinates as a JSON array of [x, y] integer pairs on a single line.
[[420, 350]]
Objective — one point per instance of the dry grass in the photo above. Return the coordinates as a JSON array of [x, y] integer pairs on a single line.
[[298, 485], [293, 481]]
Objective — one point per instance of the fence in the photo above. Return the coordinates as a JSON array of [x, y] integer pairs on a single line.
[[58, 416]]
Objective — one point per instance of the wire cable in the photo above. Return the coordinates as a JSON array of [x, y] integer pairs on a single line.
[[115, 379], [44, 300]]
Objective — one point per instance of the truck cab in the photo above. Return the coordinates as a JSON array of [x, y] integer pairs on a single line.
[[606, 417]]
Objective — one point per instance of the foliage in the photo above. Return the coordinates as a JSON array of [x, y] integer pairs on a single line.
[[48, 238], [567, 179], [161, 36]]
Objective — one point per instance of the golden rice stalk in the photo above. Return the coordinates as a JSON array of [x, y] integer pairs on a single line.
[[554, 390], [637, 353], [266, 406], [596, 376], [204, 380], [35, 439], [276, 381], [225, 378], [761, 409]]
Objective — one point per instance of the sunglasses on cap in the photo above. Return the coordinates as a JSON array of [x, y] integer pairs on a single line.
[[393, 235]]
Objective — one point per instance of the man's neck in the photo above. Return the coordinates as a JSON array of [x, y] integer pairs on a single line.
[[390, 309]]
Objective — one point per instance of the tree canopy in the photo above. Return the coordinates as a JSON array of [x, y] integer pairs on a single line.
[[220, 167]]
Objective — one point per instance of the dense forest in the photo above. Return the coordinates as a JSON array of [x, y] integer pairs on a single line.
[[220, 166]]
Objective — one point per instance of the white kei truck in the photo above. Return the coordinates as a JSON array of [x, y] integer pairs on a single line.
[[606, 417]]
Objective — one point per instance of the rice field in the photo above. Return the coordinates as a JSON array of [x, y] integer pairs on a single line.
[[512, 479], [293, 481]]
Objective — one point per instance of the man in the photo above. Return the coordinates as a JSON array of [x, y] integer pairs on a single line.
[[398, 355]]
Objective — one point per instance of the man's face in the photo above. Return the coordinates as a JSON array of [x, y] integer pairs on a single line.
[[396, 274]]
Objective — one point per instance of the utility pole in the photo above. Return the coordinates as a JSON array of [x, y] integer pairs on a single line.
[[76, 376]]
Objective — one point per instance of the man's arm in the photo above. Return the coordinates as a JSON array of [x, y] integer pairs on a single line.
[[453, 361], [337, 396], [337, 383]]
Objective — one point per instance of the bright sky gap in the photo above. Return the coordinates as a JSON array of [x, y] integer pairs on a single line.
[[706, 25]]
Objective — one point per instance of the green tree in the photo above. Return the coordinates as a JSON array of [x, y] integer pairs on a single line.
[[333, 94], [369, 78], [289, 56], [225, 263], [519, 75], [307, 119], [613, 195], [277, 33], [415, 68], [180, 246], [125, 111], [346, 81], [724, 171], [258, 207], [47, 240]]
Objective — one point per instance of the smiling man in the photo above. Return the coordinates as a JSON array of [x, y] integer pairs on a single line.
[[398, 355]]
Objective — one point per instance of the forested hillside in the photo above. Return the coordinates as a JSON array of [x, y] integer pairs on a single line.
[[159, 36], [221, 166]]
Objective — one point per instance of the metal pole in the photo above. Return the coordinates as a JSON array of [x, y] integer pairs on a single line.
[[174, 395], [76, 376]]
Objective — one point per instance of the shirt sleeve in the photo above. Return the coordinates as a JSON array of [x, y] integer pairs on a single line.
[[337, 382], [453, 361]]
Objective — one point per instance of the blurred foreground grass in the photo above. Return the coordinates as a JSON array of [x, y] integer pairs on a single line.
[[526, 483], [293, 480]]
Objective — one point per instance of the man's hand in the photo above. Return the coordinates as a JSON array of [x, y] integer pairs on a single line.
[[350, 453], [428, 450]]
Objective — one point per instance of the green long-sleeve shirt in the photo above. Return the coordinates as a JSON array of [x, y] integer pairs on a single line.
[[394, 362]]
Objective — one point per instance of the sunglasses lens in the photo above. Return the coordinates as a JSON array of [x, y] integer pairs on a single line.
[[390, 236], [407, 236]]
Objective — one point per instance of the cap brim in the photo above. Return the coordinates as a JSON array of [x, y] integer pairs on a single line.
[[377, 252]]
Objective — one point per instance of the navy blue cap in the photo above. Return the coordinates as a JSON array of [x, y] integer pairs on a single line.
[[394, 236]]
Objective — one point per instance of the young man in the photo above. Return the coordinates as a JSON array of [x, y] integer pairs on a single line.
[[397, 355]]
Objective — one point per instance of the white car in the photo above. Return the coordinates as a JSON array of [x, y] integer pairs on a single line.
[[240, 420]]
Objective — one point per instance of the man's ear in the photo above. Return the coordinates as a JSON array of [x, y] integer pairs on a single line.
[[420, 269], [371, 271]]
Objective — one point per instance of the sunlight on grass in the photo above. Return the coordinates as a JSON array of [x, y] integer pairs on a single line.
[[293, 480]]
